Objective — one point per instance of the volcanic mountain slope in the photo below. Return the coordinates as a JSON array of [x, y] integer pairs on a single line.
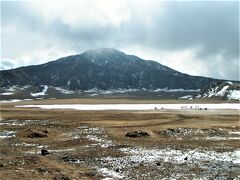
[[102, 69], [221, 89]]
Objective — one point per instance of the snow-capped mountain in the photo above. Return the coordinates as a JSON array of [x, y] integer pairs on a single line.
[[222, 89], [102, 69]]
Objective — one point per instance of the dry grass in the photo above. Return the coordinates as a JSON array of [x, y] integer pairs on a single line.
[[17, 163]]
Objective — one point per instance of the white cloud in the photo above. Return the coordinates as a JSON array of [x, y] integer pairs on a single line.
[[176, 34], [187, 61], [77, 13]]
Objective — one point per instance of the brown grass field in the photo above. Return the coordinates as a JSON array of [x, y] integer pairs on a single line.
[[80, 143]]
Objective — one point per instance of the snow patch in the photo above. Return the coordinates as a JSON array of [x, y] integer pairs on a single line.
[[111, 91], [186, 97], [235, 132], [28, 145], [64, 91], [15, 88], [43, 93], [14, 122], [111, 173], [176, 90], [222, 91], [234, 95], [69, 82], [7, 134]]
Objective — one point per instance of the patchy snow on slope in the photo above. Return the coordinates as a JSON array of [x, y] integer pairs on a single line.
[[94, 94], [15, 88], [222, 91], [227, 90], [43, 93], [211, 92], [234, 95], [186, 97], [112, 91], [176, 90], [69, 82], [64, 91]]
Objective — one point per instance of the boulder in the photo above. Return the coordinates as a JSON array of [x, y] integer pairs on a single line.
[[44, 152]]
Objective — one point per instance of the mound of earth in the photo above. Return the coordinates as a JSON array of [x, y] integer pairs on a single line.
[[136, 134], [36, 133]]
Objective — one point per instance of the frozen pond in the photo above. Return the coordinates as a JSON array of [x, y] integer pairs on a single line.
[[135, 106]]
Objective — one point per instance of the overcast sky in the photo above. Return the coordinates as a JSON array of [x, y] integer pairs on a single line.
[[194, 37]]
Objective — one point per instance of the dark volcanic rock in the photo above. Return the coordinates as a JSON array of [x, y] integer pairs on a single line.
[[61, 177], [136, 134], [44, 152]]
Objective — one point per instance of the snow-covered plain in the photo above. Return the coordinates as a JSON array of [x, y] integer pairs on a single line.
[[135, 106], [7, 93], [10, 101]]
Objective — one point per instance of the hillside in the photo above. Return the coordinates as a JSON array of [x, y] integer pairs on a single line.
[[103, 69]]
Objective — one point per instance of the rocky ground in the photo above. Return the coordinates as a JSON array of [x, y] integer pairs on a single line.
[[69, 144]]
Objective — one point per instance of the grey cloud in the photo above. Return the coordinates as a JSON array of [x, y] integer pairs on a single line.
[[213, 26]]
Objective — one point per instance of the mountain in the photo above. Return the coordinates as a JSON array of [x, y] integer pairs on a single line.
[[103, 69]]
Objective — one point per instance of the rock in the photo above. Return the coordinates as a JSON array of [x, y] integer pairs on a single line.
[[158, 164], [44, 152], [70, 159], [43, 170], [186, 158], [61, 177], [136, 134], [117, 170]]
